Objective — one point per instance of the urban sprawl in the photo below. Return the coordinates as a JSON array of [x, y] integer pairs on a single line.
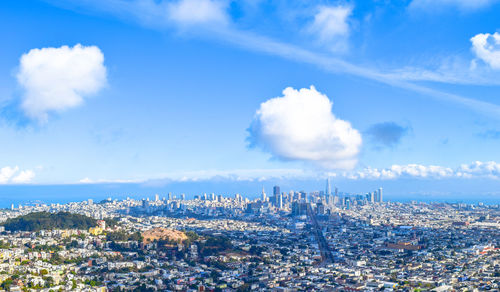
[[282, 241]]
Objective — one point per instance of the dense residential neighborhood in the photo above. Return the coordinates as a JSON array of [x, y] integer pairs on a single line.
[[285, 242]]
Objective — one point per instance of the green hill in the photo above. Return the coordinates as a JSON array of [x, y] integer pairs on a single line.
[[49, 221]]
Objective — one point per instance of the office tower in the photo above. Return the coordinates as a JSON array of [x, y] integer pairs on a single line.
[[276, 196], [183, 197], [170, 196], [328, 190], [264, 196], [290, 196], [380, 198], [276, 191], [372, 197], [157, 198], [212, 197], [280, 201]]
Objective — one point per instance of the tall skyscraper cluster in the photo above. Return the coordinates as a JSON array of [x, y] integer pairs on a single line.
[[324, 201]]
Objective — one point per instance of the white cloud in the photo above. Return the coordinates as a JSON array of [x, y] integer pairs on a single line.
[[300, 125], [490, 169], [190, 12], [463, 5], [86, 181], [55, 79], [331, 26], [6, 173], [487, 48], [399, 171], [476, 169], [10, 175], [24, 176]]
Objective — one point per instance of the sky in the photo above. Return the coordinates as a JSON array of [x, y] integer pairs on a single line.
[[216, 95]]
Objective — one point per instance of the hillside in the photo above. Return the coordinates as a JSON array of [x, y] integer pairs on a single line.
[[49, 221], [163, 233]]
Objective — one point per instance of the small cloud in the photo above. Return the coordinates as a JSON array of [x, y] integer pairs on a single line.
[[9, 175], [24, 176], [198, 12], [486, 47], [6, 173], [86, 181], [386, 134], [300, 126], [331, 27], [56, 79]]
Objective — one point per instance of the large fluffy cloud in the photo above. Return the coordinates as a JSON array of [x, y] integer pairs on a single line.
[[13, 175], [55, 79], [487, 48], [331, 26], [300, 125]]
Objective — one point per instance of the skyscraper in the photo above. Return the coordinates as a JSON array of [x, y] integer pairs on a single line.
[[276, 196], [276, 190], [264, 197], [328, 190], [380, 197]]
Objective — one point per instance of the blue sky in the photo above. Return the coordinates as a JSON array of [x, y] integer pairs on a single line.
[[379, 92]]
